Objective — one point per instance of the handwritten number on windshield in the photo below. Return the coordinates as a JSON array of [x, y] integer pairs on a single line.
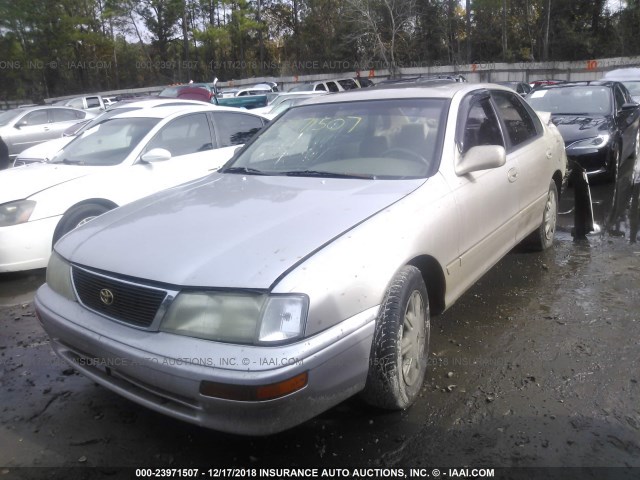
[[333, 124]]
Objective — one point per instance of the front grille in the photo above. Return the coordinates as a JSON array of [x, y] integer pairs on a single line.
[[124, 301]]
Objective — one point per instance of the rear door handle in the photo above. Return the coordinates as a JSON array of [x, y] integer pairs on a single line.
[[549, 154]]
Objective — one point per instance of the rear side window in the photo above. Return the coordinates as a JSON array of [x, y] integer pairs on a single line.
[[76, 103], [184, 135], [333, 87], [347, 84], [518, 123], [235, 128], [64, 115]]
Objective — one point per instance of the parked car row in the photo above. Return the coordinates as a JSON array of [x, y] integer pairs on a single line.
[[127, 155]]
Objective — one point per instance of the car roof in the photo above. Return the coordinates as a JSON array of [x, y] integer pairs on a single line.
[[444, 90], [170, 110], [40, 107], [586, 83], [623, 74]]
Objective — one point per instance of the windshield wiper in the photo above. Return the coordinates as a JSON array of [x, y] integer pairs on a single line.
[[319, 173], [245, 170], [66, 161]]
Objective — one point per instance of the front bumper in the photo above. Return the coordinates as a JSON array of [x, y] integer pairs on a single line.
[[164, 372], [594, 161], [28, 245]]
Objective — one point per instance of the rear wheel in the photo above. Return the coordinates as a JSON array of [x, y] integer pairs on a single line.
[[77, 216], [400, 343], [542, 237]]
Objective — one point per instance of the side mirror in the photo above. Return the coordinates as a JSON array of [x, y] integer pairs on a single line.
[[481, 157], [156, 155], [629, 106], [20, 124]]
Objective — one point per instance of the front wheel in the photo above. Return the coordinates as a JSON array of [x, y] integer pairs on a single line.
[[398, 360], [614, 163], [77, 216]]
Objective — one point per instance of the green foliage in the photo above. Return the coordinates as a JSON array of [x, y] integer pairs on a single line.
[[70, 46]]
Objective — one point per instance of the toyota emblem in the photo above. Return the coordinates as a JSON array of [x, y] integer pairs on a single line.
[[106, 296]]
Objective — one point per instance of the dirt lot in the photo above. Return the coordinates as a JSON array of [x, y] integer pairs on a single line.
[[536, 366]]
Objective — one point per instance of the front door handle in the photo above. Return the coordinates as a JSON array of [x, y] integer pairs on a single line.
[[512, 175]]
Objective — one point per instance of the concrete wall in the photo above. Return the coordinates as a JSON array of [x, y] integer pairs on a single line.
[[474, 72]]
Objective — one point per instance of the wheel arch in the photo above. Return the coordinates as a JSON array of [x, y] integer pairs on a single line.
[[433, 276], [558, 179], [90, 201]]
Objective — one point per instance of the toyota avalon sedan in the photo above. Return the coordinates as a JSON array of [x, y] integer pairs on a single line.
[[307, 269], [598, 120], [124, 158]]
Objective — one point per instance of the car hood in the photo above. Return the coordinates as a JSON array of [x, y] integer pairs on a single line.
[[45, 150], [22, 182], [228, 230], [578, 127]]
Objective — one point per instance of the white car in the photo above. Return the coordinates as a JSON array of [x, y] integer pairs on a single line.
[[129, 156], [306, 270], [45, 151], [280, 97]]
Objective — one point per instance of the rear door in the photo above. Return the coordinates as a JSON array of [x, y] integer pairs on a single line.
[[530, 154], [62, 118]]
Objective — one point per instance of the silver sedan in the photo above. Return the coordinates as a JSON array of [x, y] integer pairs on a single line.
[[306, 270]]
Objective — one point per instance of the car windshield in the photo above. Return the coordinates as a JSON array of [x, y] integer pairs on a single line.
[[375, 139], [574, 100], [108, 143], [6, 117], [305, 87]]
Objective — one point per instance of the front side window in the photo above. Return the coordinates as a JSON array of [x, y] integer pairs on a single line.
[[481, 127], [108, 143], [620, 98], [39, 117], [518, 123], [184, 135], [384, 139], [93, 102]]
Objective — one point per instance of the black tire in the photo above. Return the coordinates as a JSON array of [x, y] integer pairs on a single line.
[[77, 216], [397, 368], [542, 237], [614, 163]]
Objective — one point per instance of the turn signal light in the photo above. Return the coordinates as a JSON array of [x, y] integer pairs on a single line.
[[254, 393]]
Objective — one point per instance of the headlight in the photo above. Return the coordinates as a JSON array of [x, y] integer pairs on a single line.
[[59, 276], [595, 142], [237, 318], [13, 213]]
